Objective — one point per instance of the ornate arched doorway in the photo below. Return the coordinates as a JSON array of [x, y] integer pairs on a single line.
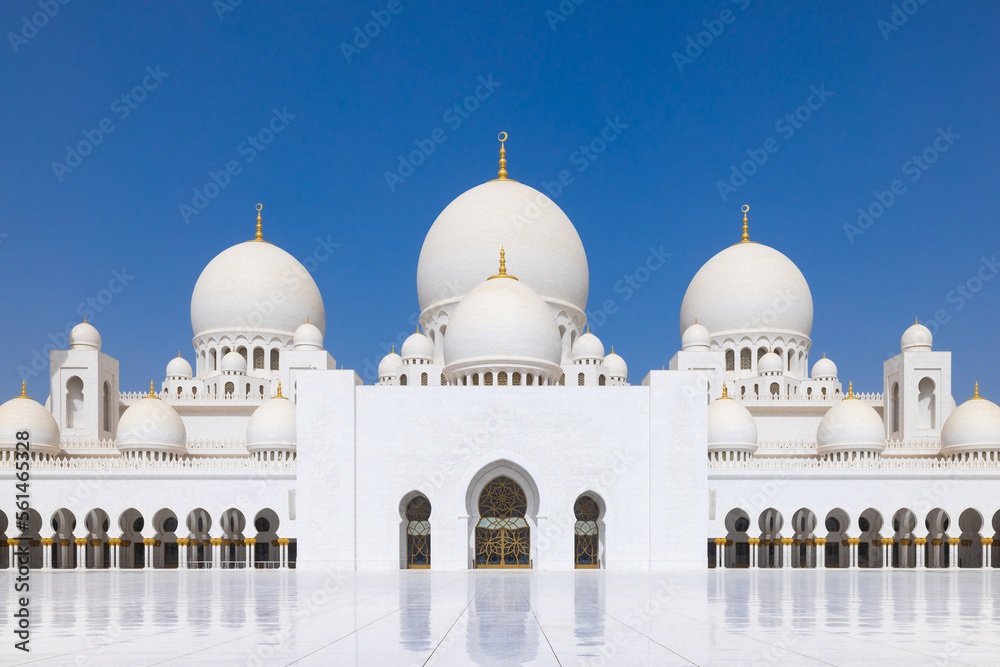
[[586, 540], [503, 538], [418, 533]]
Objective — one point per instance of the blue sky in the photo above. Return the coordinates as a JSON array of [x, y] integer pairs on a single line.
[[701, 86]]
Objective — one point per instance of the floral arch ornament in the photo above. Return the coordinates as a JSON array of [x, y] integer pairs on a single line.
[[503, 538], [586, 538], [418, 533]]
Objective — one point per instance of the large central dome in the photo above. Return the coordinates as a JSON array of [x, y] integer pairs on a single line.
[[461, 246], [255, 287]]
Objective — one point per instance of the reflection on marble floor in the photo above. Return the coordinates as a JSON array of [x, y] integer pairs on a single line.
[[506, 618]]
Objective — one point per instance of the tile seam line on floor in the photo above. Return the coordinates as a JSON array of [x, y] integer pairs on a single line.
[[340, 639], [452, 627], [540, 628]]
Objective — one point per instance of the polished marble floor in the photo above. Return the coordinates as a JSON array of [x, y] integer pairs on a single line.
[[507, 618]]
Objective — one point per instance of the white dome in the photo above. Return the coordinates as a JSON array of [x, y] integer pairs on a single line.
[[747, 288], [151, 425], [769, 363], [973, 426], [917, 337], [179, 368], [850, 425], [617, 368], [234, 362], [588, 346], [731, 427], [503, 323], [272, 426], [823, 369], [696, 337], [460, 248], [308, 337], [389, 366], [255, 287], [418, 346], [84, 337], [26, 414]]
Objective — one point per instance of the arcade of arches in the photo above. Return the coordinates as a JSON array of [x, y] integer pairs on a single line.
[[905, 542]]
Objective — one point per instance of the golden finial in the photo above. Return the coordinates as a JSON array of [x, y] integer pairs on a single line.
[[152, 394], [502, 174], [260, 232], [975, 393], [916, 320], [307, 319], [394, 348], [503, 267], [24, 390], [850, 390], [588, 328], [746, 230], [84, 319], [696, 320], [725, 392], [178, 354], [612, 349], [279, 390]]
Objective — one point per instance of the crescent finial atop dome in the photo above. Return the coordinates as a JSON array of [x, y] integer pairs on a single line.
[[260, 230], [746, 230]]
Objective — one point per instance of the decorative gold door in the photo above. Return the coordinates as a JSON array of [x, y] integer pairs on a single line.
[[418, 534], [586, 537], [503, 538]]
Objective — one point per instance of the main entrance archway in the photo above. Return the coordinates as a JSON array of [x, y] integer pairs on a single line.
[[503, 538]]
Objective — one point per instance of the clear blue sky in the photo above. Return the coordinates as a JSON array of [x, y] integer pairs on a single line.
[[323, 175]]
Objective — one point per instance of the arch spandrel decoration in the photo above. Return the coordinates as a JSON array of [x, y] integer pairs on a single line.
[[502, 534]]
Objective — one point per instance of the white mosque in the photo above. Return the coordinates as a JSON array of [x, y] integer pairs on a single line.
[[503, 434]]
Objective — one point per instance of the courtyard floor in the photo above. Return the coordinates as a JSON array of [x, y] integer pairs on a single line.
[[758, 617]]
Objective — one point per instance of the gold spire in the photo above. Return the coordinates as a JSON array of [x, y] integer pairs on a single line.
[[502, 174], [307, 319], [178, 354], [503, 267], [746, 229], [850, 390], [394, 348], [152, 394], [588, 328], [916, 320], [696, 320], [612, 349], [84, 319], [725, 392], [24, 390], [260, 231], [279, 390], [975, 393]]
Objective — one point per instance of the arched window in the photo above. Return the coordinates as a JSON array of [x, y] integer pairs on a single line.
[[502, 378], [895, 407], [775, 389], [926, 403], [402, 379], [809, 392], [418, 534], [562, 380], [178, 395], [274, 360], [756, 390], [488, 379], [230, 388], [423, 379], [579, 379], [262, 391], [194, 391], [465, 380], [529, 379], [248, 389], [213, 359], [74, 402], [223, 352], [730, 360], [586, 533], [790, 355], [743, 392], [444, 381], [106, 405], [258, 358], [823, 391], [761, 351], [602, 381], [745, 359], [475, 379], [516, 379], [243, 352], [503, 538]]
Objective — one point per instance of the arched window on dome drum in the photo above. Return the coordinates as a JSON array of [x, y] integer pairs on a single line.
[[274, 360], [562, 380], [790, 355], [223, 352], [475, 379], [895, 407], [418, 533], [488, 379], [402, 380], [529, 379], [230, 388], [444, 381], [465, 380], [775, 389], [258, 358], [602, 381], [423, 379], [580, 380], [243, 353], [213, 360], [745, 359], [761, 351], [502, 378], [730, 360], [107, 407], [586, 530], [516, 379]]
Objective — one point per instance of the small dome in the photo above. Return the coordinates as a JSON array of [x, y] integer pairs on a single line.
[[850, 426], [234, 362], [26, 414], [696, 337], [973, 426], [769, 363], [731, 427], [917, 337], [824, 369], [503, 322], [179, 368], [308, 337], [617, 368], [152, 425], [389, 366], [418, 346], [272, 426], [84, 337], [588, 346]]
